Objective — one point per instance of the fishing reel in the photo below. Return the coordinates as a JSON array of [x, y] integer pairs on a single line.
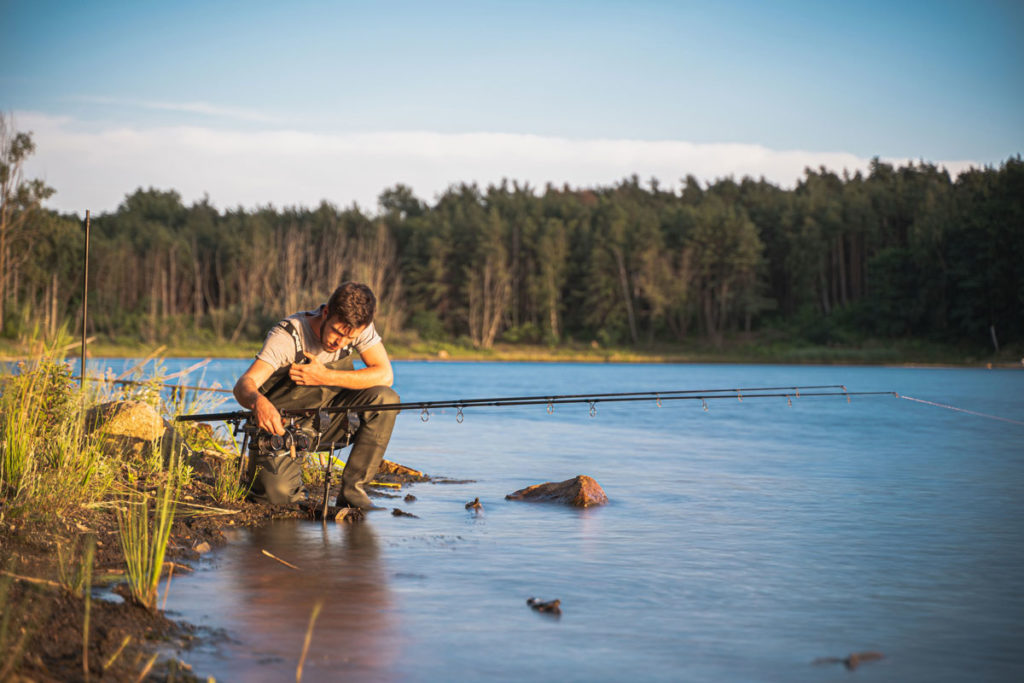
[[299, 438], [294, 440]]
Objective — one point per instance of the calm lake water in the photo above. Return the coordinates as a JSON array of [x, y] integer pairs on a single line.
[[741, 543]]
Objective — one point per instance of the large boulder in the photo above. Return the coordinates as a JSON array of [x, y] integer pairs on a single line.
[[580, 491], [125, 427]]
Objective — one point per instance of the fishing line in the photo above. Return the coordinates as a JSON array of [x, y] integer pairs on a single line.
[[133, 382], [962, 410]]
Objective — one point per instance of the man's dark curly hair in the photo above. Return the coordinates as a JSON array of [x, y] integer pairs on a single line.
[[353, 304]]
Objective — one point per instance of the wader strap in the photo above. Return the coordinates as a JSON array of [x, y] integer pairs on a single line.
[[300, 358], [289, 327]]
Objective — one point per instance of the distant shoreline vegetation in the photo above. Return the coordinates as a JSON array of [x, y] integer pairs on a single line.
[[840, 262]]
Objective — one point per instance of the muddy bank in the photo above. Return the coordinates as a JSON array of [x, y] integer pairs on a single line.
[[42, 601]]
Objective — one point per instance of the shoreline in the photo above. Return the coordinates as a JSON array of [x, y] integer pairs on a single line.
[[123, 636], [896, 354]]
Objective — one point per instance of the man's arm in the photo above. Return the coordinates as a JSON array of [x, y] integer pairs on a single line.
[[247, 393], [376, 373]]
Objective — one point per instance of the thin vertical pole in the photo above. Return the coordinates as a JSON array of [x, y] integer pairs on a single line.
[[85, 295]]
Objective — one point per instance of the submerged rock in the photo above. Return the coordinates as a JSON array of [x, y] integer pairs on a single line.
[[475, 504], [549, 607], [580, 491], [398, 512], [347, 515], [853, 660], [409, 498]]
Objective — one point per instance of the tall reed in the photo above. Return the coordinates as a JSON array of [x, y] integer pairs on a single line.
[[144, 542]]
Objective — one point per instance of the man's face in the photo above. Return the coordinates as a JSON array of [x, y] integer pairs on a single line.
[[335, 335]]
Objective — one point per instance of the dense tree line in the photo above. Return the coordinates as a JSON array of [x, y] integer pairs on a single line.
[[898, 252]]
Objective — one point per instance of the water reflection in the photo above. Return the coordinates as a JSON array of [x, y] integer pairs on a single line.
[[355, 635]]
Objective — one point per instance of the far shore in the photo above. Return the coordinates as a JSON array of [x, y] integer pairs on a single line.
[[737, 351]]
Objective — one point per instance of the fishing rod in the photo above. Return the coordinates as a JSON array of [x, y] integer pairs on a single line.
[[550, 401], [296, 440]]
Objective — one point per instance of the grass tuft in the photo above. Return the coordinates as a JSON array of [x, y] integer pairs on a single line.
[[144, 541]]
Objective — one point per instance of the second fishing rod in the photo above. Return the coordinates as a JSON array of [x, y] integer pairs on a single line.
[[552, 400]]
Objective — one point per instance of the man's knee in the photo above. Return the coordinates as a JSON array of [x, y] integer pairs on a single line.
[[277, 479], [382, 395]]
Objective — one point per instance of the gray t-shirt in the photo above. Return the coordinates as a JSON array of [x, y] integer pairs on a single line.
[[279, 346]]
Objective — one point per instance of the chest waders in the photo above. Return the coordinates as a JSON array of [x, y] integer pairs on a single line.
[[277, 478]]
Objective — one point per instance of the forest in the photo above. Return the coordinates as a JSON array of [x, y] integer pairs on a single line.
[[893, 253]]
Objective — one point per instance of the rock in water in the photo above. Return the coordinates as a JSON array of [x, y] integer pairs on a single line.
[[388, 467], [581, 491], [348, 515], [853, 660], [857, 658], [475, 504], [549, 607]]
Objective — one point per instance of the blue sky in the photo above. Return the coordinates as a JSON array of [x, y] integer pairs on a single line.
[[577, 92]]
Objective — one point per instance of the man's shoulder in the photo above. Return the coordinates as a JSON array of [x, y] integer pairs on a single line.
[[369, 337]]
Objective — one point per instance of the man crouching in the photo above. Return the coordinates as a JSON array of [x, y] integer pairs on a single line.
[[306, 362]]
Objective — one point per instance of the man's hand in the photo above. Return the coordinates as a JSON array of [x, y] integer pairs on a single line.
[[267, 416], [313, 373]]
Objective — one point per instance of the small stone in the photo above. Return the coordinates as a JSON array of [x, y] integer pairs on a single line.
[[475, 504], [349, 515], [580, 491], [202, 548], [398, 512], [549, 607], [409, 498], [851, 661], [857, 658]]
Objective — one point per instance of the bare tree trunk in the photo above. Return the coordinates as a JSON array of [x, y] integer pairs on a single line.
[[154, 302], [844, 293], [723, 305], [217, 308], [626, 298], [245, 278], [553, 310], [53, 305], [197, 283], [374, 262], [709, 314], [292, 249], [3, 276], [489, 293], [823, 288], [172, 282]]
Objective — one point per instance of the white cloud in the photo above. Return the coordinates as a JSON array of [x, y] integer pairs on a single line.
[[95, 169], [203, 108]]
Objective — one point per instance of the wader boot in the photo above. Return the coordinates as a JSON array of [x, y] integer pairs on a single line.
[[368, 445], [277, 478]]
